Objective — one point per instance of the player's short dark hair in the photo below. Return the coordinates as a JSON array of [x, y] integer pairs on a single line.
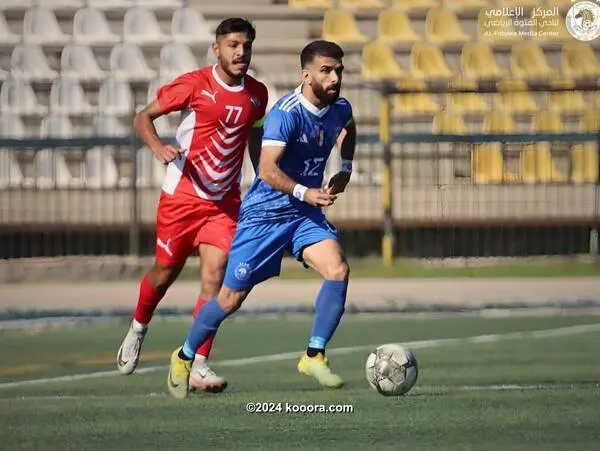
[[235, 25], [320, 48]]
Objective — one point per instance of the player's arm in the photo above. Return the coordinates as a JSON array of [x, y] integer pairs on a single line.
[[255, 143], [144, 126], [270, 173], [337, 183]]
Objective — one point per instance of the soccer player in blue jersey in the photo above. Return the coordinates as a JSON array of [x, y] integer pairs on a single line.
[[283, 211]]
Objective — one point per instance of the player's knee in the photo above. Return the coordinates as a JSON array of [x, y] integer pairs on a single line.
[[231, 300], [337, 270], [162, 277], [212, 278]]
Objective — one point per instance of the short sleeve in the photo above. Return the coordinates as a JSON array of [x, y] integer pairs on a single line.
[[177, 95], [279, 128]]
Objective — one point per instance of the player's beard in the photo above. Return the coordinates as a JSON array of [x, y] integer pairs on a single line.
[[233, 73], [323, 95]]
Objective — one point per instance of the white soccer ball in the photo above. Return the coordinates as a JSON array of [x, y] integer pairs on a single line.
[[392, 370]]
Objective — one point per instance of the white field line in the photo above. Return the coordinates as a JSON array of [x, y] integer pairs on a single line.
[[547, 333]]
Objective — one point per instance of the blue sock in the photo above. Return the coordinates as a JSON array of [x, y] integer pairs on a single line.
[[329, 310], [208, 320]]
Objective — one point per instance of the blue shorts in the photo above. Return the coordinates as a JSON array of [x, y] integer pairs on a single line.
[[256, 251]]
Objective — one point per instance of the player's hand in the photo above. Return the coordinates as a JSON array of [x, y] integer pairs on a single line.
[[166, 154], [337, 183], [319, 198]]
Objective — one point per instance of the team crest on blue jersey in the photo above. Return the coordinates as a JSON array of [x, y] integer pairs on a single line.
[[242, 271]]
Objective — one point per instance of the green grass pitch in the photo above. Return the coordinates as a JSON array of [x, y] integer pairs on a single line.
[[510, 389]]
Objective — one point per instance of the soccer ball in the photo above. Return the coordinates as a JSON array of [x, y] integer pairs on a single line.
[[392, 370]]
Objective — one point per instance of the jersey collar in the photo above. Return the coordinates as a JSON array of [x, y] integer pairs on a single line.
[[224, 85], [309, 106]]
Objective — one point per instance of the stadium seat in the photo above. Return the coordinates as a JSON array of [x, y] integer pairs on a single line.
[[591, 121], [29, 63], [163, 127], [106, 125], [515, 98], [17, 5], [464, 5], [40, 26], [547, 122], [160, 4], [427, 61], [410, 5], [466, 103], [189, 27], [11, 126], [67, 97], [499, 122], [527, 61], [61, 4], [487, 165], [140, 27], [566, 102], [394, 27], [18, 98], [10, 171], [362, 4], [495, 30], [127, 63], [91, 27], [150, 171], [584, 163], [175, 60], [51, 170], [99, 169], [111, 5], [379, 62], [56, 126], [340, 26], [115, 98], [416, 104], [7, 37], [446, 123], [443, 27], [478, 62], [77, 62], [311, 4], [578, 60]]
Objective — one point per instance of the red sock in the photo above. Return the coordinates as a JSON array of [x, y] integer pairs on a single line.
[[204, 348], [147, 301]]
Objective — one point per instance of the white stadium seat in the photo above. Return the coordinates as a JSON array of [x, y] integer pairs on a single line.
[[61, 4], [16, 5], [150, 171], [51, 170], [28, 62], [189, 27], [10, 171], [111, 5], [175, 60], [127, 63], [11, 127], [141, 27], [115, 98], [91, 27], [99, 169], [106, 125], [40, 26], [56, 126], [159, 4], [17, 97], [77, 62], [7, 37], [67, 97]]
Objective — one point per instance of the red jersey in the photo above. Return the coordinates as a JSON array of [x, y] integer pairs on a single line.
[[216, 120]]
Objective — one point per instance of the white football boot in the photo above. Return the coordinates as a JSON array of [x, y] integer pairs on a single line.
[[129, 352], [204, 378]]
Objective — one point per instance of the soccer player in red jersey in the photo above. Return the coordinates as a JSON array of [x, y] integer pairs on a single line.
[[222, 109]]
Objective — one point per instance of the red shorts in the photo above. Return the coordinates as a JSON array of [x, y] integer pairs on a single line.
[[183, 223]]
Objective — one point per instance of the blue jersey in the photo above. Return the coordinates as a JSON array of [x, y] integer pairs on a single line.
[[308, 135]]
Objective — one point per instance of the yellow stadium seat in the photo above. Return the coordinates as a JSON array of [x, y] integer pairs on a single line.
[[566, 102], [465, 4], [415, 5], [466, 103], [551, 29], [443, 27], [340, 26], [395, 27], [537, 165], [527, 60], [547, 122], [487, 165], [499, 122], [415, 104], [496, 29], [427, 61], [362, 4], [449, 124], [379, 62], [516, 102], [311, 4], [478, 61], [579, 60], [591, 121], [584, 163]]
